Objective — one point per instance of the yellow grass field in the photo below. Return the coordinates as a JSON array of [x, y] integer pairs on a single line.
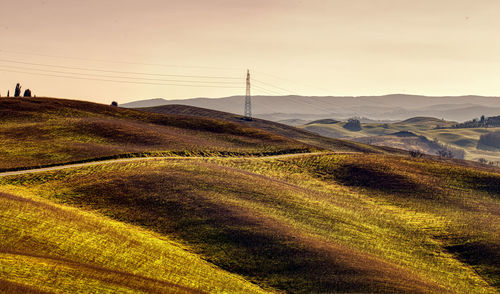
[[53, 248], [318, 223]]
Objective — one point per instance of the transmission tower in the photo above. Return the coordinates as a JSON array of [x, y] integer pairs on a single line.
[[248, 99]]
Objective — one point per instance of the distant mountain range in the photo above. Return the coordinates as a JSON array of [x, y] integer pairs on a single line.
[[388, 107]]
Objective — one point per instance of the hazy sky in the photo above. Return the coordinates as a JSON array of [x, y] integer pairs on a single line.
[[74, 49]]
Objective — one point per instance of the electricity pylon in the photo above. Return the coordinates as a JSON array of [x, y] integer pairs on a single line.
[[248, 99]]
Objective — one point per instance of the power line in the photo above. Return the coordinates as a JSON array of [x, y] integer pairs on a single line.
[[261, 90], [209, 83], [114, 71], [93, 77], [266, 90], [116, 81], [296, 83], [123, 62], [155, 64], [270, 85], [295, 100], [118, 77]]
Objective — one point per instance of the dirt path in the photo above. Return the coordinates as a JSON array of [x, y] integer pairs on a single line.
[[64, 166]]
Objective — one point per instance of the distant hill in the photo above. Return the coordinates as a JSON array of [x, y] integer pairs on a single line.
[[426, 134], [421, 119], [403, 134], [409, 141], [292, 122], [324, 121], [388, 107]]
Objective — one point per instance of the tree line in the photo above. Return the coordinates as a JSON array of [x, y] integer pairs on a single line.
[[483, 122], [17, 92], [490, 140]]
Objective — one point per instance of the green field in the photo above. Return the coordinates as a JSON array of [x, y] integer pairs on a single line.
[[465, 139], [379, 129]]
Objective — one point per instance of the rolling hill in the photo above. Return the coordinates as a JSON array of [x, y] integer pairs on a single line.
[[408, 141], [300, 135], [44, 131], [47, 131], [427, 139], [318, 223], [367, 219]]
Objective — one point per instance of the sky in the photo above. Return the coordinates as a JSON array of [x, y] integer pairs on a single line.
[[104, 50]]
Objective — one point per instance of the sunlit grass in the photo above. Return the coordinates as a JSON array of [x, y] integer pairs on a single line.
[[393, 224], [57, 248], [412, 224]]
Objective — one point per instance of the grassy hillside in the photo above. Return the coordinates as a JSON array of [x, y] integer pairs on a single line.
[[301, 135], [328, 223], [467, 139], [51, 248], [382, 135], [40, 131], [415, 124], [369, 221]]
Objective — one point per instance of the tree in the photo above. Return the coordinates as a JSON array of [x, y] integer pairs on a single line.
[[489, 140], [27, 93], [114, 103], [416, 153], [445, 153], [353, 125], [17, 92]]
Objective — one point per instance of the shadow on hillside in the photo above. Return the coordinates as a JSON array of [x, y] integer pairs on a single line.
[[484, 257], [234, 242], [489, 184], [374, 179], [235, 239]]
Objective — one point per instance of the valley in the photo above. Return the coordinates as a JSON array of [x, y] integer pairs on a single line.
[[424, 134]]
